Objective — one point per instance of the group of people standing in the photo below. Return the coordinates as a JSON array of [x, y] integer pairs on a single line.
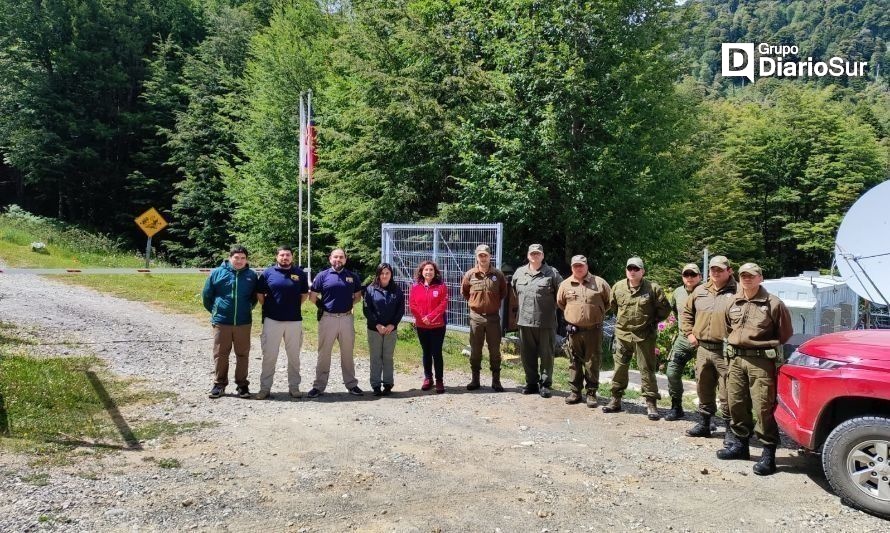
[[734, 334]]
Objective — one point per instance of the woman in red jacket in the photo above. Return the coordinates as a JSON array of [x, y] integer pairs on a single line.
[[428, 301]]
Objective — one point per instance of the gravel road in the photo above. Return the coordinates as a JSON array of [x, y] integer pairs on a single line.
[[410, 462]]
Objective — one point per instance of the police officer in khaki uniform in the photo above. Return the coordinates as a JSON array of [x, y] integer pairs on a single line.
[[584, 298], [705, 328], [536, 284], [758, 324], [681, 351], [484, 287], [639, 305]]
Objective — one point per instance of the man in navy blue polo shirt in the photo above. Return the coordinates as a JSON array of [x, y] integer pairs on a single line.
[[337, 289], [281, 290]]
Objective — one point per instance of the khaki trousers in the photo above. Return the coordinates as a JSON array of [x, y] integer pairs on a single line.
[[340, 328], [587, 350], [485, 329], [274, 331], [751, 384], [711, 369], [224, 339]]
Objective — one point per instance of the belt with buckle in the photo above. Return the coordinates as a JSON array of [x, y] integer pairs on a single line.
[[711, 345], [337, 314], [749, 352]]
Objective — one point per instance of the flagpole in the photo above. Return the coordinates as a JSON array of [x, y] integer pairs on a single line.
[[300, 182], [309, 148]]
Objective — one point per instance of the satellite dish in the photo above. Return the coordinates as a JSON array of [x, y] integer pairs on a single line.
[[862, 247]]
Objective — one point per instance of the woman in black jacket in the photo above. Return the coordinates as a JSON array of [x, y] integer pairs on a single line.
[[384, 306]]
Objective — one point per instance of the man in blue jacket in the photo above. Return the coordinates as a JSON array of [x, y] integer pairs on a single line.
[[229, 295], [281, 290]]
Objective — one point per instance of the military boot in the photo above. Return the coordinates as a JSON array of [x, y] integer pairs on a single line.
[[738, 448], [702, 429], [496, 381], [614, 405], [726, 436], [652, 409], [676, 412], [474, 381], [767, 463]]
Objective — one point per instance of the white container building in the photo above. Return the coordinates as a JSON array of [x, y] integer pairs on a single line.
[[818, 304]]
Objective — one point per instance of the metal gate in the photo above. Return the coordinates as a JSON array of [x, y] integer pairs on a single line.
[[451, 246]]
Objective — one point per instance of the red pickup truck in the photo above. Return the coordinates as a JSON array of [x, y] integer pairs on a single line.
[[834, 396]]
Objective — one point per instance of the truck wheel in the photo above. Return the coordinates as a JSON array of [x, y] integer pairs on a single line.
[[856, 460]]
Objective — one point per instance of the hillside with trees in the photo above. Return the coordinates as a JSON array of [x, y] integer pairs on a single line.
[[601, 127]]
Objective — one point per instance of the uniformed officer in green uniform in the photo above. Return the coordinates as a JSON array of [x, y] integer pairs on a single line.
[[681, 351], [584, 298], [639, 305], [536, 284], [705, 328], [758, 324]]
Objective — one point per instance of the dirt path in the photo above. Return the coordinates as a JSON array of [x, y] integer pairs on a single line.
[[411, 462]]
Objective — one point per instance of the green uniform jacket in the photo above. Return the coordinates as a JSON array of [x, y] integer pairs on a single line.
[[704, 313], [678, 303], [536, 295], [763, 322], [638, 311]]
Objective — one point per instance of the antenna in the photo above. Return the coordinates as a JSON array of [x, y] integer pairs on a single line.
[[862, 247]]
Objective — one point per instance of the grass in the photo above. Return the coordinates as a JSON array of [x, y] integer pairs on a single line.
[[66, 246], [50, 407]]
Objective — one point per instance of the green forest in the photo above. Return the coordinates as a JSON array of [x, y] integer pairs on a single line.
[[596, 127]]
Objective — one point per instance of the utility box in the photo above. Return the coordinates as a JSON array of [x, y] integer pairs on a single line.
[[818, 304]]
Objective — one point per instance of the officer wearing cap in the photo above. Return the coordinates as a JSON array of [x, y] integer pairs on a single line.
[[758, 324], [484, 287], [584, 299], [681, 351], [336, 290], [704, 327], [536, 284], [639, 305]]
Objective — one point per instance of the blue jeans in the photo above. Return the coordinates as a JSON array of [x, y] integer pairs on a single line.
[[431, 341]]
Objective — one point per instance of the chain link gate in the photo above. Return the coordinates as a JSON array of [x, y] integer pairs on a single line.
[[451, 246]]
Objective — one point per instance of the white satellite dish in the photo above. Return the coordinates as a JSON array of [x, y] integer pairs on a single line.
[[862, 247]]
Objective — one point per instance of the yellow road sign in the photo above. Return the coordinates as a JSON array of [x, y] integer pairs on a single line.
[[151, 222]]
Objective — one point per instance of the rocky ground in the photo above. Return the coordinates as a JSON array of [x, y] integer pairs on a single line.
[[410, 462]]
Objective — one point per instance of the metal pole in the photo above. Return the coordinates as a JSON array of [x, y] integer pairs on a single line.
[[148, 253], [309, 146], [300, 184], [704, 265]]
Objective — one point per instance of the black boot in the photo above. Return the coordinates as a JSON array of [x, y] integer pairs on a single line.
[[767, 463], [496, 381], [726, 435], [737, 449], [676, 412], [702, 429], [474, 382]]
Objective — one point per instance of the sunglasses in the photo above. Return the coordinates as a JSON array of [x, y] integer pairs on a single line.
[[689, 274], [633, 269]]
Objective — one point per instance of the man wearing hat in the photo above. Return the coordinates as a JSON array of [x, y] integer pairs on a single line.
[[536, 284], [704, 326], [681, 351], [639, 305], [584, 299], [758, 324], [484, 287]]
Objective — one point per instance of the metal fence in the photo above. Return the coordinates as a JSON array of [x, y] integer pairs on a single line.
[[451, 246]]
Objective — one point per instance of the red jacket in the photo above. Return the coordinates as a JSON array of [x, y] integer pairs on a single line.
[[428, 301]]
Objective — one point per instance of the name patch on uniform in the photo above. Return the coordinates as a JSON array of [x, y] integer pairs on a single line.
[[348, 279]]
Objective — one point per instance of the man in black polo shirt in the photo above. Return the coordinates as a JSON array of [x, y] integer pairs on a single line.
[[338, 289], [281, 290]]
